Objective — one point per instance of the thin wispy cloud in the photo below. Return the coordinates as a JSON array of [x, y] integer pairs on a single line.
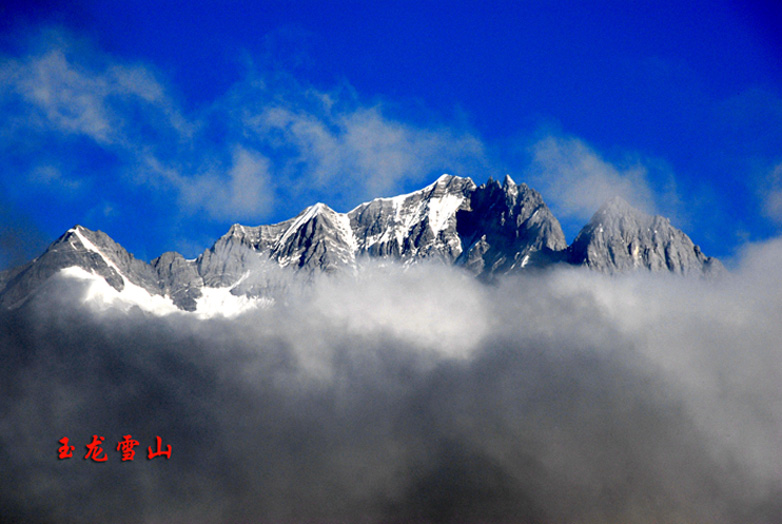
[[577, 180], [277, 139], [359, 152], [245, 190], [107, 102], [771, 194]]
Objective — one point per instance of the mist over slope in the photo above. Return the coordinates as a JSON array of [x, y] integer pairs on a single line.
[[417, 395]]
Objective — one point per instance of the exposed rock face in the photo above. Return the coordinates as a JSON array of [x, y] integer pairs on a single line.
[[620, 238], [415, 226], [490, 230], [178, 278], [508, 227]]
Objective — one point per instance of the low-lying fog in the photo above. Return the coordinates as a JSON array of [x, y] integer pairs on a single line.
[[408, 396]]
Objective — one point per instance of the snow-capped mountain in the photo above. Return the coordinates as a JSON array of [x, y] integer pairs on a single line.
[[489, 230]]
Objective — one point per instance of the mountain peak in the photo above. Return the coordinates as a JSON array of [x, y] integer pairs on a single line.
[[442, 181], [237, 230], [76, 233], [618, 216], [446, 182], [617, 205], [620, 237], [314, 210]]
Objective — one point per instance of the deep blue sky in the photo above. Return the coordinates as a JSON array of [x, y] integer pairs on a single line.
[[163, 124]]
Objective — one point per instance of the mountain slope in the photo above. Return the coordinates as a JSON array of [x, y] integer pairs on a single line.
[[94, 252]]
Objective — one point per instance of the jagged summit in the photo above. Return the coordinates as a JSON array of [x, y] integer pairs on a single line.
[[489, 230], [93, 252], [620, 237], [508, 228], [618, 216]]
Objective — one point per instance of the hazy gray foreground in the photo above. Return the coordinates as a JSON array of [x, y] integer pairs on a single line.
[[418, 395]]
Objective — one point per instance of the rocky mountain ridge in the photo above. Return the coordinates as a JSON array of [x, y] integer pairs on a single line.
[[489, 230]]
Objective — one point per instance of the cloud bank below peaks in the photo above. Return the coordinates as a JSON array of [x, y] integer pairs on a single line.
[[414, 395]]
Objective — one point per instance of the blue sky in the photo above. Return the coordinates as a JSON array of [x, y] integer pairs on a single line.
[[163, 124]]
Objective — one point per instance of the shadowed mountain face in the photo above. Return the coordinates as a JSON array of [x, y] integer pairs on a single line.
[[490, 230], [508, 227]]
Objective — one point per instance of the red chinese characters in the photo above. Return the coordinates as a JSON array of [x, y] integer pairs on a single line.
[[126, 446], [65, 450], [94, 450], [96, 453], [167, 453]]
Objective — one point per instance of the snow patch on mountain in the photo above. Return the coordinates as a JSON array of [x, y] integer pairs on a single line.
[[100, 294], [89, 246], [214, 302]]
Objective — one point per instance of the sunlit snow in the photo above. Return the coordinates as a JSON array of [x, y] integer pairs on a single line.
[[214, 302], [101, 295]]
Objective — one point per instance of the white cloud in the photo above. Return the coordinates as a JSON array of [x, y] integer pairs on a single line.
[[103, 102], [65, 98], [70, 90], [51, 176], [771, 195], [314, 144], [245, 191], [578, 181], [331, 141]]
